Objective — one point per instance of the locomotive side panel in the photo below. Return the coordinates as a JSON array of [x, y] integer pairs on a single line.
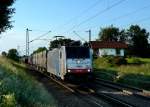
[[42, 59], [53, 65], [62, 62], [39, 59], [34, 59], [44, 62], [68, 63]]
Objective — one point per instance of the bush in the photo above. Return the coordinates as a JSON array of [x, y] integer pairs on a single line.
[[8, 101], [120, 60], [135, 60], [109, 61], [13, 54], [17, 88], [103, 62]]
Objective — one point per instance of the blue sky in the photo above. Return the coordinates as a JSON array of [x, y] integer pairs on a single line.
[[60, 16]]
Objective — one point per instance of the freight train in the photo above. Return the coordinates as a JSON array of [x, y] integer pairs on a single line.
[[66, 63]]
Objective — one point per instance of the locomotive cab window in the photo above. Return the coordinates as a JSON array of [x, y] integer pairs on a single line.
[[77, 52]]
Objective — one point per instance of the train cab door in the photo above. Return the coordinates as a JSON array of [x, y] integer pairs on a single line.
[[62, 65]]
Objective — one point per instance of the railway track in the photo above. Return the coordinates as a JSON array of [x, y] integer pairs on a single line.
[[125, 88], [93, 97], [76, 90], [133, 96], [99, 93], [66, 95]]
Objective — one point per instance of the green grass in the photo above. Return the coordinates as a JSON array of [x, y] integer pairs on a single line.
[[135, 60], [134, 73], [20, 89], [103, 62]]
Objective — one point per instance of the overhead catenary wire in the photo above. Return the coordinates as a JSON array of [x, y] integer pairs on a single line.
[[82, 13], [39, 30], [37, 45], [137, 21], [45, 39], [116, 17], [126, 15], [37, 38], [97, 14], [40, 36], [131, 13], [140, 20], [79, 36]]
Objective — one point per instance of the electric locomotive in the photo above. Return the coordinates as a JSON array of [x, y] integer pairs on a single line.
[[67, 63]]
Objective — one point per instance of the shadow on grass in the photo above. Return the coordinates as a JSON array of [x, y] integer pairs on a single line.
[[107, 74], [18, 65], [136, 80]]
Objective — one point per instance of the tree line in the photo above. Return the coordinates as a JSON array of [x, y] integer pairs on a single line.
[[12, 54], [135, 36]]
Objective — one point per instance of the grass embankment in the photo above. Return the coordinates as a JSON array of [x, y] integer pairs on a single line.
[[18, 89], [136, 72]]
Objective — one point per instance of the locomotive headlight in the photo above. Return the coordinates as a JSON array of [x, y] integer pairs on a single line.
[[69, 70], [89, 70], [78, 61]]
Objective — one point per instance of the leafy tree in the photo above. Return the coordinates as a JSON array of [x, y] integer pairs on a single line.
[[112, 33], [135, 37], [139, 45], [86, 44], [40, 49], [64, 42], [4, 54], [5, 14], [13, 54]]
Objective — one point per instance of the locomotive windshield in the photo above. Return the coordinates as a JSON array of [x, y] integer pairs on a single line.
[[77, 52]]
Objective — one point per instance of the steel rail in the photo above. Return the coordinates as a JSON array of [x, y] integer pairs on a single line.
[[114, 101], [124, 88]]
